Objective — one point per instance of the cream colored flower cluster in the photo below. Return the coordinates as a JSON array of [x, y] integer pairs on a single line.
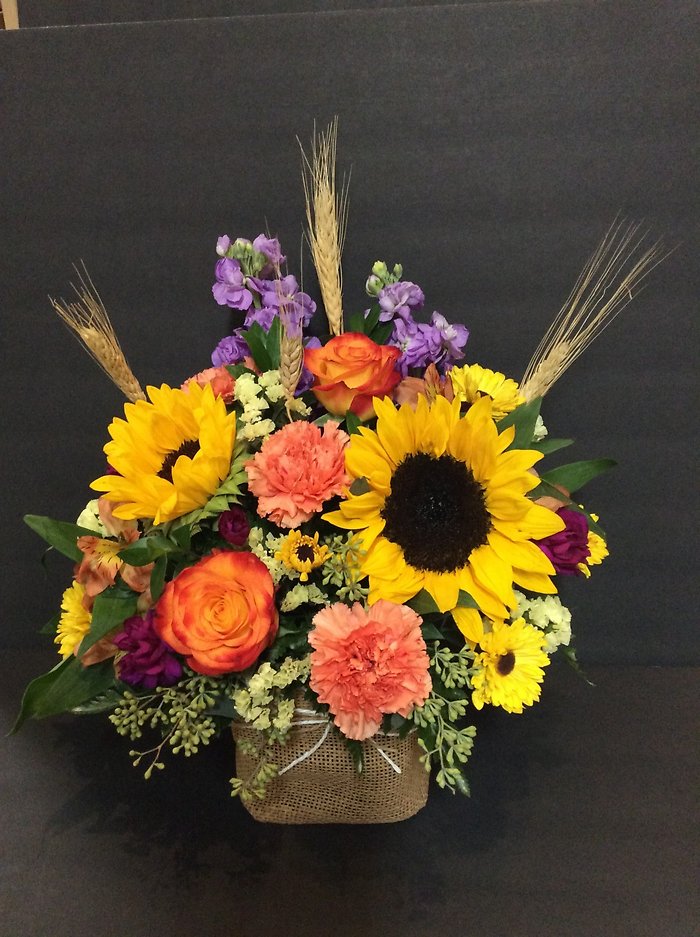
[[549, 615], [257, 393]]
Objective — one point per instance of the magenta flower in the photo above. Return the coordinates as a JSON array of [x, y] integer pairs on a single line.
[[234, 526], [148, 662], [569, 547]]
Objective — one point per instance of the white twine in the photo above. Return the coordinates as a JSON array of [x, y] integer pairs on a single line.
[[315, 747]]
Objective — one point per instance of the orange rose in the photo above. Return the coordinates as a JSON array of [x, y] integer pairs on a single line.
[[220, 614], [350, 370]]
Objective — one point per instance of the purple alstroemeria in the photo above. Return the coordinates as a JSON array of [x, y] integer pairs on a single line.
[[400, 300], [230, 350], [148, 662], [230, 287]]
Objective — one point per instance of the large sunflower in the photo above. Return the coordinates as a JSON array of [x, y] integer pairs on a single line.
[[446, 509], [170, 455]]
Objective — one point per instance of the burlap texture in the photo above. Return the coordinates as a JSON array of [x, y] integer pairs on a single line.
[[326, 787]]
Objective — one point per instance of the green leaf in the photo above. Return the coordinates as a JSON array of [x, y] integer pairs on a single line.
[[158, 577], [360, 486], [545, 446], [358, 758], [381, 332], [464, 600], [66, 686], [431, 632], [51, 626], [576, 474], [423, 603], [256, 338], [147, 549], [111, 608], [183, 537], [60, 534], [356, 323], [372, 320], [352, 422], [272, 342], [102, 703], [523, 418]]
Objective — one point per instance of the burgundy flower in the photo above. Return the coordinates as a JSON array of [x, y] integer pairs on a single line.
[[569, 547], [234, 526], [149, 662]]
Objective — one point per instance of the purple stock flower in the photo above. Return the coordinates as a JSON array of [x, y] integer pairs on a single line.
[[230, 350], [284, 292], [306, 378], [234, 526], [452, 337], [264, 317], [436, 342], [400, 299], [569, 547], [270, 247], [222, 245], [419, 343], [230, 289], [148, 662]]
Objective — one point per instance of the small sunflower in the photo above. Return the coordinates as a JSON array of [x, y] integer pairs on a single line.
[[302, 553], [170, 455], [472, 382], [74, 622], [509, 669], [446, 509]]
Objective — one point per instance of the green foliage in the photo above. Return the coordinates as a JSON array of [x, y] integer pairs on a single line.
[[64, 688], [265, 346], [158, 577], [109, 611], [352, 422], [576, 474], [547, 446], [61, 535], [51, 626], [181, 713], [439, 737], [524, 419]]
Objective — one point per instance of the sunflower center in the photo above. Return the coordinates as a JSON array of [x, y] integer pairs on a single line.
[[506, 663], [190, 448], [305, 553], [436, 512]]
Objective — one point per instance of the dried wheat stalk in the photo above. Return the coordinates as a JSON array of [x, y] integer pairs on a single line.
[[326, 216], [88, 320], [607, 283]]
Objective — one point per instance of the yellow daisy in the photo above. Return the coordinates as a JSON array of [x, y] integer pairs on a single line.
[[446, 509], [509, 669], [472, 382], [597, 551], [170, 455], [74, 622], [302, 553]]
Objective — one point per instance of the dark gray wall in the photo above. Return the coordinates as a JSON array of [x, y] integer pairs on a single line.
[[490, 145]]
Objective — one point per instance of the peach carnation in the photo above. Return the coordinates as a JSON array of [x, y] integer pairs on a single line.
[[221, 382], [298, 468], [368, 662]]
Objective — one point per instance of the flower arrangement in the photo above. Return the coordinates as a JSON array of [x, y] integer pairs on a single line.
[[357, 527]]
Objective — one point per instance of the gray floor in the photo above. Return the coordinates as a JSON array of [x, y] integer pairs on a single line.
[[582, 822]]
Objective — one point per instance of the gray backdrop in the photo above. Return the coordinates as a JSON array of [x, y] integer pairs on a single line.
[[490, 145]]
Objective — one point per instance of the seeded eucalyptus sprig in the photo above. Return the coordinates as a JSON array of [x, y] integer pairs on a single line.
[[180, 712], [440, 739]]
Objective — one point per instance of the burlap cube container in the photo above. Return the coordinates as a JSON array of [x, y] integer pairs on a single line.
[[325, 787]]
